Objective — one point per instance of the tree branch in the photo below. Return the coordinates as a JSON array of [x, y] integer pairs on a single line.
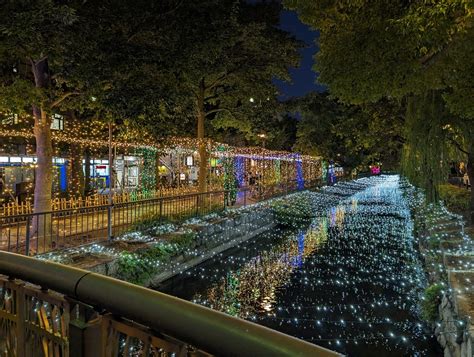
[[218, 80], [63, 98], [212, 111], [458, 146]]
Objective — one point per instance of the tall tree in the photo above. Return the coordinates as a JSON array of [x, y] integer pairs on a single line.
[[230, 52], [418, 51], [354, 136], [33, 41]]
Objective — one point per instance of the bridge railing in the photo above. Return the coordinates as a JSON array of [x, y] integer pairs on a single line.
[[47, 309], [37, 233]]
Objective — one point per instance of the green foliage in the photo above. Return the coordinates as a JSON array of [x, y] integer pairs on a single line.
[[425, 148], [353, 136], [455, 198], [431, 44], [430, 303], [183, 240], [140, 266], [230, 52]]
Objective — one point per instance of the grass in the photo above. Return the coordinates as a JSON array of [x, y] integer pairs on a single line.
[[430, 303], [455, 198]]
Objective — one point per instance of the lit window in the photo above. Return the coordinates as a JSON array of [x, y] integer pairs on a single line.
[[57, 122]]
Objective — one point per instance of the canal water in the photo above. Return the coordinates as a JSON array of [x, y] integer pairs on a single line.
[[351, 281]]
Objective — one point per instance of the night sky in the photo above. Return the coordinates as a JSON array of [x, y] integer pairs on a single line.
[[303, 77]]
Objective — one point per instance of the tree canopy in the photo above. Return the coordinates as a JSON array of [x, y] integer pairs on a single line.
[[416, 52]]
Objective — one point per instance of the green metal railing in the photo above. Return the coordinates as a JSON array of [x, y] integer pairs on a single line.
[[73, 312]]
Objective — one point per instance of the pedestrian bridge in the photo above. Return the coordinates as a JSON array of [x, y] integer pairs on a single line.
[[48, 309]]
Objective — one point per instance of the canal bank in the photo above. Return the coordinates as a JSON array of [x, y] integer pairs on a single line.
[[155, 252], [447, 251], [349, 279]]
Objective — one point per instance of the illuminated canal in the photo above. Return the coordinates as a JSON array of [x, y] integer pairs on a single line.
[[350, 281]]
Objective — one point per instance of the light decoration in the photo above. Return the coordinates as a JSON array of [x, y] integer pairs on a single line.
[[91, 135], [358, 291], [375, 169], [165, 145], [239, 167], [147, 169], [324, 170], [230, 184], [299, 173], [277, 164]]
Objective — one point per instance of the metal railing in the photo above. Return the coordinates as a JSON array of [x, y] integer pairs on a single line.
[[73, 312], [37, 233]]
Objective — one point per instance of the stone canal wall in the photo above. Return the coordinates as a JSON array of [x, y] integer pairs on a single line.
[[211, 239], [459, 341], [446, 246]]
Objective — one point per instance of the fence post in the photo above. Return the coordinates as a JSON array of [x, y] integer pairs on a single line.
[[21, 318], [28, 232], [161, 209], [109, 222], [198, 203]]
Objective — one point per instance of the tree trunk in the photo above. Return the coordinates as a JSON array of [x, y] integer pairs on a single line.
[[201, 116], [470, 174], [157, 171], [76, 174], [87, 172], [44, 154]]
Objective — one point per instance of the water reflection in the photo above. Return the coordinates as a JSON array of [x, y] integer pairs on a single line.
[[350, 282], [252, 289]]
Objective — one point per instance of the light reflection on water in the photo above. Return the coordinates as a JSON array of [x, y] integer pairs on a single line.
[[348, 282], [252, 288]]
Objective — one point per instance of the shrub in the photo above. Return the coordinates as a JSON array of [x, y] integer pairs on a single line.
[[430, 303], [454, 197], [140, 266]]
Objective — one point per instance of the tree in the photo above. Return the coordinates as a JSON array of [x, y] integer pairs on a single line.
[[352, 135], [33, 39], [419, 52], [230, 51]]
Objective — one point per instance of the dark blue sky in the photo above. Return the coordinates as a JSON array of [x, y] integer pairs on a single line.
[[303, 77]]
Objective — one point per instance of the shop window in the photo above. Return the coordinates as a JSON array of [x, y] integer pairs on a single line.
[[57, 122]]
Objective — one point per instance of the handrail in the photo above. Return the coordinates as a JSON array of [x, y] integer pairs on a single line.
[[210, 330]]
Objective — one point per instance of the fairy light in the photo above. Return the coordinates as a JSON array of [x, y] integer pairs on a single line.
[[348, 290]]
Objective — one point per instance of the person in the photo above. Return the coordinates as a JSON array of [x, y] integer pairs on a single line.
[[453, 169], [252, 180], [466, 180]]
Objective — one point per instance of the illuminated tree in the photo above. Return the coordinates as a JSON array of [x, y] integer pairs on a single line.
[[33, 39], [229, 52]]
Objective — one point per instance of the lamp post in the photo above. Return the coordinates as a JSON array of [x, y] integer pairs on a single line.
[[263, 136]]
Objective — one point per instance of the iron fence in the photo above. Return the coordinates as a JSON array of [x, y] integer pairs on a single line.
[[52, 310], [38, 233]]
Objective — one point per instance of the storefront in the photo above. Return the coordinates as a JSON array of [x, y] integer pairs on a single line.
[[17, 176]]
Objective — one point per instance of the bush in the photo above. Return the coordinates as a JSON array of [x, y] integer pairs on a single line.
[[430, 303], [454, 197], [140, 266]]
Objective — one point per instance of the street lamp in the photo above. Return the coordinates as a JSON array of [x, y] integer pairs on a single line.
[[263, 137]]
